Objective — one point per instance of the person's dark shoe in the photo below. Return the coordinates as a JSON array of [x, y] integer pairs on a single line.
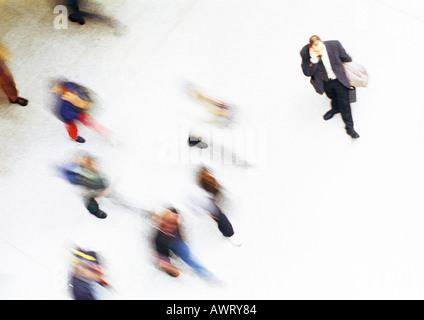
[[192, 141], [196, 142], [353, 133], [329, 115], [80, 139], [202, 145], [76, 17], [100, 214], [21, 101]]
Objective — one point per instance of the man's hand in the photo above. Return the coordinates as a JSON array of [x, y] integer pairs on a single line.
[[314, 55], [75, 100]]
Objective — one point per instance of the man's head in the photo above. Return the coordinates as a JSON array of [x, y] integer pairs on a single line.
[[87, 161], [170, 221], [314, 41], [208, 182]]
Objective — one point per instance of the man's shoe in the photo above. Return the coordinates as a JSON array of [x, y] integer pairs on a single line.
[[202, 145], [196, 142], [21, 101], [80, 139], [192, 142], [100, 214], [77, 17], [353, 133], [329, 115]]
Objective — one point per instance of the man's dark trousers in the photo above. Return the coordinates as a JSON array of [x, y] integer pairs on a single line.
[[74, 4], [224, 225], [339, 96]]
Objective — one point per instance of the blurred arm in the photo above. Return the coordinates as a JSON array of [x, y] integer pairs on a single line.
[[343, 54], [309, 66]]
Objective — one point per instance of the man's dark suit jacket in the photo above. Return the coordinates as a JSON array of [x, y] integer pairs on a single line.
[[337, 55]]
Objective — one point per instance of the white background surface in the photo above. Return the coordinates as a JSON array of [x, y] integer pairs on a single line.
[[321, 216]]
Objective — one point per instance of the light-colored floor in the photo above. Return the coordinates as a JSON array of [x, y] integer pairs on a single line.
[[321, 216]]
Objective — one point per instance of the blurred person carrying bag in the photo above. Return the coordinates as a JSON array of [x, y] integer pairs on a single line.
[[357, 76]]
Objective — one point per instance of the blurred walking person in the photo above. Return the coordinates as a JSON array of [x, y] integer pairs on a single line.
[[73, 104], [85, 173], [323, 62], [211, 113], [168, 239], [7, 83], [206, 201], [83, 10], [87, 276]]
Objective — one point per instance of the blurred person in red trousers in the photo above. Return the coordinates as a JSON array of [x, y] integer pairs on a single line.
[[73, 104]]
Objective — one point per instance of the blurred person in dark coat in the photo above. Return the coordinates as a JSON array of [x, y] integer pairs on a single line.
[[87, 275], [323, 62]]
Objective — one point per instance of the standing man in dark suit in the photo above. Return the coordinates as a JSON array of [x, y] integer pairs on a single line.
[[323, 62]]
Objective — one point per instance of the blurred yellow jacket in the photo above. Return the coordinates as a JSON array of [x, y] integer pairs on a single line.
[[4, 53]]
